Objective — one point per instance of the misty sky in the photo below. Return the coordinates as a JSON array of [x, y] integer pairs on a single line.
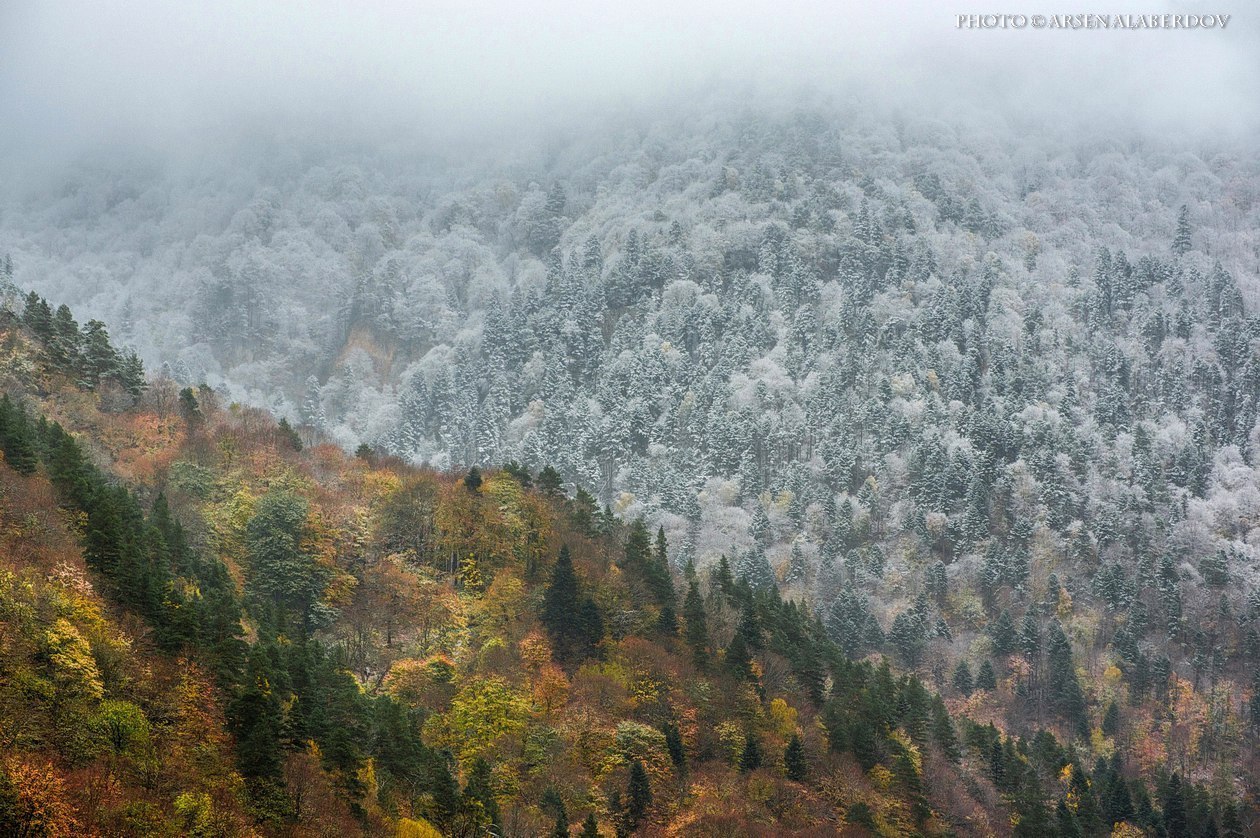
[[80, 72]]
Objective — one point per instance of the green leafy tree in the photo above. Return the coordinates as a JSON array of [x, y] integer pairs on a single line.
[[282, 574]]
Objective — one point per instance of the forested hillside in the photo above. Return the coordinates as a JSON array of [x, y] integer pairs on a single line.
[[831, 408], [212, 628]]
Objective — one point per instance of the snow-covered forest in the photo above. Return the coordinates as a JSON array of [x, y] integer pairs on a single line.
[[840, 345]]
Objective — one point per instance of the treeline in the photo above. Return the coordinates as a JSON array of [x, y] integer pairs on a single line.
[[85, 354]]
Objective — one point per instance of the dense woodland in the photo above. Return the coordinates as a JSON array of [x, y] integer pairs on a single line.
[[212, 628], [795, 473]]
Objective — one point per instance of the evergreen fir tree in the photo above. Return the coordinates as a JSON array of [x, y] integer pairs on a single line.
[[638, 795], [17, 437], [289, 435], [962, 678], [674, 744], [572, 620], [750, 758], [1181, 240], [697, 628], [1175, 820], [1065, 690], [794, 763], [986, 679]]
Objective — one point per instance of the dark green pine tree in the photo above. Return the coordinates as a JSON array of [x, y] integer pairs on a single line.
[[17, 437], [943, 731], [667, 621], [1087, 815], [1065, 691], [908, 638], [472, 480], [1111, 720], [722, 576], [697, 626], [65, 343], [590, 827], [1231, 823], [550, 482], [479, 791], [1175, 820], [962, 678], [746, 639], [985, 678], [553, 803], [638, 549], [255, 719], [738, 658], [37, 316], [189, 407], [662, 584], [674, 744], [794, 764], [638, 796], [572, 619], [1066, 822], [750, 758], [1002, 633], [561, 604], [131, 374], [288, 435], [100, 361], [590, 625]]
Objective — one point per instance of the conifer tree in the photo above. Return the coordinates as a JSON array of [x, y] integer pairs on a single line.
[[638, 795], [943, 730], [794, 764], [1065, 691], [1181, 240], [697, 626], [658, 574], [962, 678], [750, 758], [674, 744], [550, 482], [986, 679], [289, 435], [1175, 820], [16, 437], [572, 620]]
